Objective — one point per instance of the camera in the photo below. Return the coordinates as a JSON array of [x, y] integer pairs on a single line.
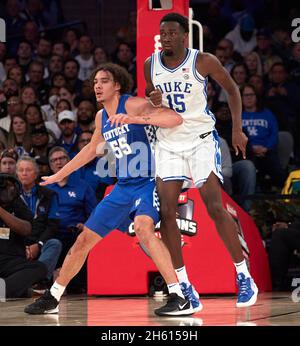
[[10, 189]]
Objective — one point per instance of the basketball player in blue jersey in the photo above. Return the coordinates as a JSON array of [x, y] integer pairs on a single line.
[[177, 77], [134, 196]]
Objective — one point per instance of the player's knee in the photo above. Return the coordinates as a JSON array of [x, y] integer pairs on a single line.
[[86, 240], [144, 231], [215, 210]]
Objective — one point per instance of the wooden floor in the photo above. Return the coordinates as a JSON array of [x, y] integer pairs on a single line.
[[277, 309]]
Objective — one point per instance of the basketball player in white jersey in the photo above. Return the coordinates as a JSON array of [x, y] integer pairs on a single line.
[[177, 77]]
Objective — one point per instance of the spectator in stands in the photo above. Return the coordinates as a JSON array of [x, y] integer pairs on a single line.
[[58, 80], [17, 75], [14, 107], [85, 116], [282, 42], [43, 51], [24, 55], [100, 56], [34, 116], [243, 35], [31, 34], [40, 141], [240, 73], [283, 100], [265, 50], [9, 62], [28, 96], [85, 57], [43, 204], [67, 93], [71, 37], [258, 83], [89, 173], [227, 45], [76, 200], [18, 273], [19, 135], [253, 63], [8, 161], [62, 49], [44, 167], [261, 127], [125, 57], [62, 105], [71, 70], [55, 66], [285, 240], [67, 125], [10, 88], [36, 80]]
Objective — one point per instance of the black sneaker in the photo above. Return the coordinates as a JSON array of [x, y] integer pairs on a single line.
[[46, 304], [176, 306]]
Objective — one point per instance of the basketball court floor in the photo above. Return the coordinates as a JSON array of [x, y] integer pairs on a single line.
[[271, 309]]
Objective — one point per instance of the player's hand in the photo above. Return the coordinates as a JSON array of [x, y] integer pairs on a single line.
[[156, 98], [239, 142], [55, 178], [119, 119]]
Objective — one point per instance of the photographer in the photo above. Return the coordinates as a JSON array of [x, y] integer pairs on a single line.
[[18, 273]]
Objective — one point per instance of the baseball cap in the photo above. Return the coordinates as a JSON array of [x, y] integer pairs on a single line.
[[66, 115]]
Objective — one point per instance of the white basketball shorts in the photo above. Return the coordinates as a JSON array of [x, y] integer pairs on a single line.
[[194, 165]]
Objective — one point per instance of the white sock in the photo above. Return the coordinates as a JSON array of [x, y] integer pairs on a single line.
[[175, 288], [57, 290], [242, 268], [182, 275]]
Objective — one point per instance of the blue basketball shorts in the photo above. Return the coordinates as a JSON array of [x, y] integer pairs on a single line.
[[118, 209]]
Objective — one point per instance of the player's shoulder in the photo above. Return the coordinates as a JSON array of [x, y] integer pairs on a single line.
[[205, 57], [207, 63]]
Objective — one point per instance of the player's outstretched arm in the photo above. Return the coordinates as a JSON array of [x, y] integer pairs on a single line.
[[87, 154]]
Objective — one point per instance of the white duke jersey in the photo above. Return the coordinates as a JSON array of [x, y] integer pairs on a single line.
[[185, 91]]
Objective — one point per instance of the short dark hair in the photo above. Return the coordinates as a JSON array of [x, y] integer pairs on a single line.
[[178, 18], [120, 75]]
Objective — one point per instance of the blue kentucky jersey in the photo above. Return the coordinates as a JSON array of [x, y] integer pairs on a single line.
[[132, 144]]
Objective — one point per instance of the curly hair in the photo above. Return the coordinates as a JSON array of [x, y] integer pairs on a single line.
[[120, 75]]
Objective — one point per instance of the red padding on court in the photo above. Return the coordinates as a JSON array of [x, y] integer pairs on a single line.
[[118, 266]]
